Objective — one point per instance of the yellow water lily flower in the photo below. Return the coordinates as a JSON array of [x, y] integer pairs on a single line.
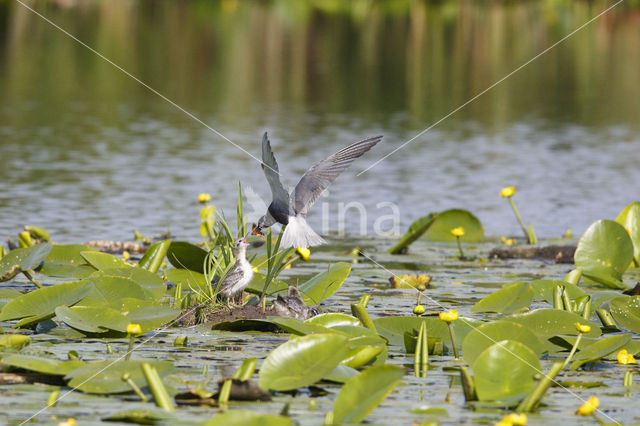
[[418, 310], [450, 316], [625, 357], [507, 241], [204, 197], [457, 232], [421, 282], [125, 255], [583, 328], [70, 422], [134, 329], [304, 253], [513, 419], [508, 191], [589, 406]]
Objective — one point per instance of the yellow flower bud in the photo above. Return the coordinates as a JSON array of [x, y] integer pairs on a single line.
[[134, 329], [204, 197], [516, 419], [418, 310], [125, 255], [588, 407], [583, 328], [70, 422], [508, 191], [625, 357], [452, 315], [304, 253], [457, 232]]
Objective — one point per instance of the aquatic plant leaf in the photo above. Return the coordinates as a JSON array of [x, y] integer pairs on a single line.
[[332, 319], [362, 355], [143, 416], [184, 255], [626, 312], [629, 217], [8, 294], [415, 231], [13, 342], [149, 281], [546, 323], [248, 418], [505, 369], [102, 261], [324, 284], [42, 365], [440, 229], [92, 319], [246, 325], [150, 315], [600, 349], [257, 285], [599, 298], [302, 361], [106, 377], [490, 333], [22, 259], [605, 249], [545, 290], [108, 290], [394, 328], [42, 303], [154, 256], [298, 327], [508, 299], [189, 280], [65, 260], [361, 394], [341, 374]]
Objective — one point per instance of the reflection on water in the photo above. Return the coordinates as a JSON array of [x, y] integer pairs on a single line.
[[89, 153]]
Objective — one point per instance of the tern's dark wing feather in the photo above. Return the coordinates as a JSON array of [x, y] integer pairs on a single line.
[[272, 173], [320, 176]]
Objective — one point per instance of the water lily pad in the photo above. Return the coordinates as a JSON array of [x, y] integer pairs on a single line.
[[108, 290], [323, 285], [605, 249], [505, 369], [142, 416], [415, 231], [106, 377], [302, 361], [440, 229], [189, 280], [599, 298], [626, 311], [65, 260], [92, 319], [600, 349], [42, 303], [13, 342], [488, 334], [183, 255], [150, 315], [630, 219], [7, 295], [361, 394], [546, 323], [149, 281], [248, 418], [545, 290], [42, 365], [333, 319], [257, 285], [509, 299], [102, 261], [22, 259], [298, 327], [154, 256]]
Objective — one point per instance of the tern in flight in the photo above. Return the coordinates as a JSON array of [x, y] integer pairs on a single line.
[[291, 209]]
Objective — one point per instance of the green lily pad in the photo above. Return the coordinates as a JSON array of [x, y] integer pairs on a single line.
[[65, 260], [361, 394], [106, 377], [189, 280], [605, 249], [149, 281], [150, 315], [546, 323], [298, 327], [154, 256], [92, 319], [341, 374], [7, 295], [333, 319], [440, 229], [102, 261], [183, 255], [13, 342], [600, 349], [43, 302], [42, 365], [302, 361], [415, 231], [626, 311], [630, 219], [509, 299], [488, 334], [257, 284], [505, 369], [22, 259], [545, 290], [108, 290], [323, 285], [248, 418], [599, 298], [142, 416]]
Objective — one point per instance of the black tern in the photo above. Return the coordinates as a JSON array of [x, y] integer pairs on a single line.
[[239, 276], [291, 210]]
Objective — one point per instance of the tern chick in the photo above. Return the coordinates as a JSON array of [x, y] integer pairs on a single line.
[[239, 276]]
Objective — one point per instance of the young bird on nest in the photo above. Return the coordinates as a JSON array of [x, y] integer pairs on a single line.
[[238, 277]]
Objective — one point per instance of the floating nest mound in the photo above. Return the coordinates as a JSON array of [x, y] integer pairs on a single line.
[[559, 254]]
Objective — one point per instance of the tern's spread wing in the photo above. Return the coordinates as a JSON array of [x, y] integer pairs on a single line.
[[320, 176], [271, 171]]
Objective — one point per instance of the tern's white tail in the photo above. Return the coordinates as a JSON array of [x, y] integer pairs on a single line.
[[298, 233]]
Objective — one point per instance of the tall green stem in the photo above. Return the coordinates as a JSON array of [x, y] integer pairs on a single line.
[[460, 248], [573, 351], [453, 339], [520, 221]]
